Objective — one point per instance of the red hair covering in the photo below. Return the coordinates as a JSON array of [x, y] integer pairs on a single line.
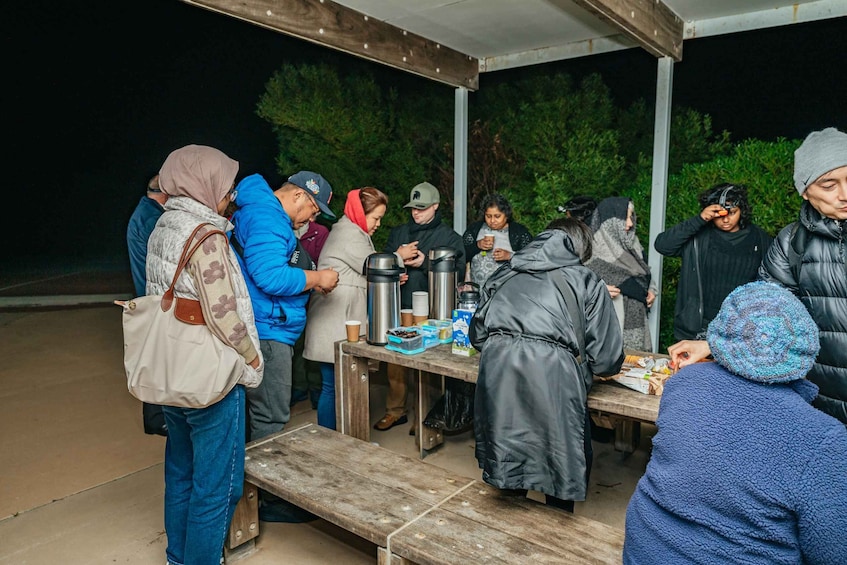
[[353, 209]]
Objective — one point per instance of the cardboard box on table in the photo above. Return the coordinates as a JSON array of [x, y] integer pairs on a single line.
[[461, 330]]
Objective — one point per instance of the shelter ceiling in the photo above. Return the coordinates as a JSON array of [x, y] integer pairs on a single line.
[[452, 41]]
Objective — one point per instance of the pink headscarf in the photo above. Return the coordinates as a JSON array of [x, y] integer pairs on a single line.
[[353, 210], [202, 173]]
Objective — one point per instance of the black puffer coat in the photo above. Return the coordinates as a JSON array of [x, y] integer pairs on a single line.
[[822, 286], [530, 396]]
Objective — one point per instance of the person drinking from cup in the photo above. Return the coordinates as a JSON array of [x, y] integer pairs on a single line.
[[491, 240]]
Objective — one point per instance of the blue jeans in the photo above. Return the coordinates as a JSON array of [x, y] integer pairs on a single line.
[[204, 477], [326, 402]]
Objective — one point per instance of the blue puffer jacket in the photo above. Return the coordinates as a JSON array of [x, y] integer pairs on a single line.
[[266, 234]]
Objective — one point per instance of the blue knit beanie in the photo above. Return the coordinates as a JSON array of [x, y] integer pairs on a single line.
[[764, 333]]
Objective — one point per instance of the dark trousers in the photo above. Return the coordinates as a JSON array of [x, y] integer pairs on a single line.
[[152, 417]]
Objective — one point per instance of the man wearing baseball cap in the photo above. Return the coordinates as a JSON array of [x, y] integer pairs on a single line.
[[280, 277], [807, 257], [315, 186], [411, 242]]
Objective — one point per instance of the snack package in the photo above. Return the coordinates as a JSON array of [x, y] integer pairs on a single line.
[[646, 375]]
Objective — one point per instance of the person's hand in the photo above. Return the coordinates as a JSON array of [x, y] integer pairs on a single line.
[[255, 362], [416, 261], [403, 278], [408, 251], [328, 280], [709, 213], [614, 291], [686, 352], [501, 255], [486, 243], [650, 298]]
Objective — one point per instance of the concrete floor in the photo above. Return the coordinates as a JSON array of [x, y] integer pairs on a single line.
[[82, 484]]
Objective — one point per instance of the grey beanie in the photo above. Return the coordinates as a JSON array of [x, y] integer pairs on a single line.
[[821, 152]]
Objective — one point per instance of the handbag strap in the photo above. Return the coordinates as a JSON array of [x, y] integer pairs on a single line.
[[574, 309], [187, 251]]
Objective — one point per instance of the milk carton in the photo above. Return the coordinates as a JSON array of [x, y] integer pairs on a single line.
[[461, 332]]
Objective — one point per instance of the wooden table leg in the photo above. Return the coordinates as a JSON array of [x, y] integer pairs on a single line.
[[244, 526], [627, 435], [429, 386], [627, 432], [352, 395]]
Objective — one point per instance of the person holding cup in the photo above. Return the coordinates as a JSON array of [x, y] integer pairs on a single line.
[[345, 251], [422, 232], [491, 240]]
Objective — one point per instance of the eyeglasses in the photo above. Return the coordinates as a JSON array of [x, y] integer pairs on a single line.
[[232, 193], [313, 202]]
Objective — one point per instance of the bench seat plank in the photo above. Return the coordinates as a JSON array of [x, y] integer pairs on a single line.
[[442, 537], [346, 498], [583, 540], [426, 482], [417, 512]]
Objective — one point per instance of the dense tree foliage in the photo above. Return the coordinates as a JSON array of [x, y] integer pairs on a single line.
[[539, 141]]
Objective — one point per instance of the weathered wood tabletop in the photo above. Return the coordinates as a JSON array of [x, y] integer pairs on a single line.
[[352, 381]]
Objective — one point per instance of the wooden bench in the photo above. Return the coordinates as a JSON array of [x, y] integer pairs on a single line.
[[412, 511]]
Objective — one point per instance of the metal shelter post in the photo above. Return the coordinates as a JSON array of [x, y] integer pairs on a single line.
[[659, 187], [460, 161]]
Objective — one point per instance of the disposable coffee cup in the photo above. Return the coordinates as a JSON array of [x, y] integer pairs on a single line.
[[420, 303], [406, 317], [419, 319], [353, 328]]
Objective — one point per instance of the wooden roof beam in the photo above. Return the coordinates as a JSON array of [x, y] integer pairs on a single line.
[[331, 25], [653, 25]]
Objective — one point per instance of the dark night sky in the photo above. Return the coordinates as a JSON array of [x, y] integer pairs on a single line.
[[99, 92]]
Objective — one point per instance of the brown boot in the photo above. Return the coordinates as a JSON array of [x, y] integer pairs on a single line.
[[389, 421]]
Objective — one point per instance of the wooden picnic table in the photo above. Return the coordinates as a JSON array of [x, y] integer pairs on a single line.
[[610, 403]]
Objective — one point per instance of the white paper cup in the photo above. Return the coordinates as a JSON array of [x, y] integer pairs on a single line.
[[420, 303], [353, 329]]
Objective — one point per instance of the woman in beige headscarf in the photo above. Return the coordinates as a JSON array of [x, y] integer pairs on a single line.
[[204, 455]]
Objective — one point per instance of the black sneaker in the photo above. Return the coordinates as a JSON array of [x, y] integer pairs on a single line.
[[283, 511]]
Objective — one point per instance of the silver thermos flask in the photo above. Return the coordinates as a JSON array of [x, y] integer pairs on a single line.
[[442, 283], [383, 276]]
